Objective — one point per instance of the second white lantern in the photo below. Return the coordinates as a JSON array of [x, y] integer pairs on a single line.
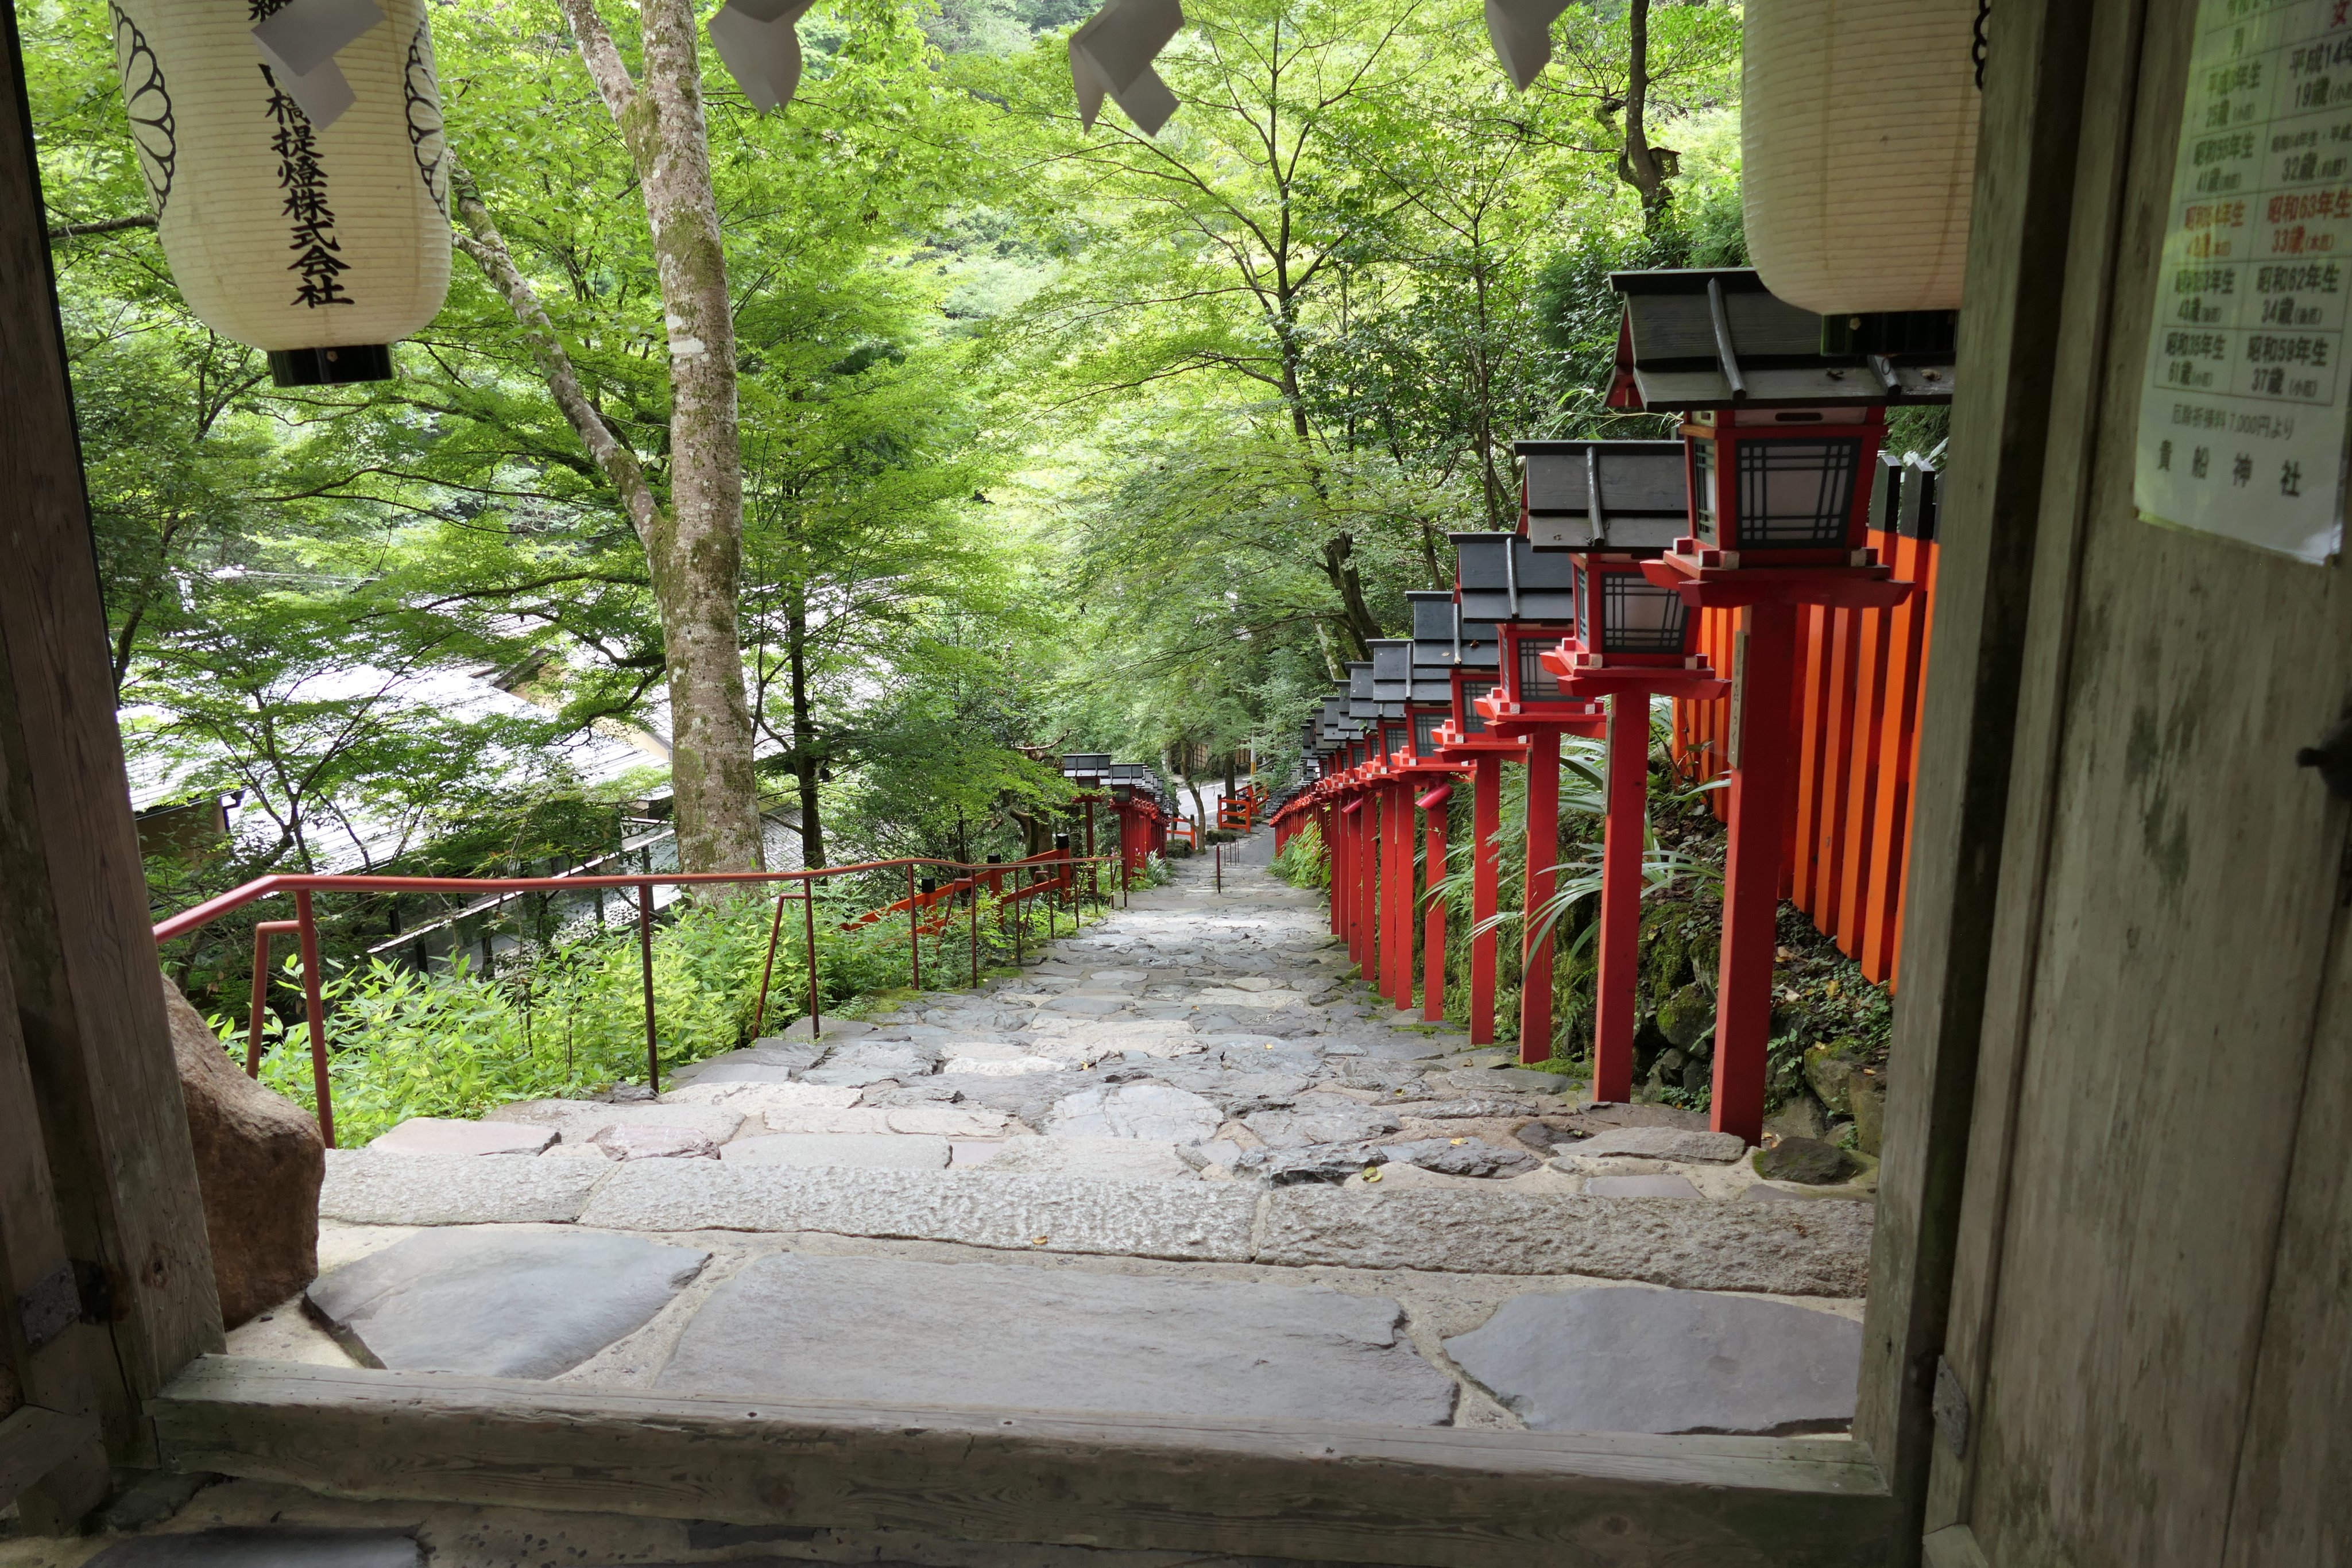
[[1858, 150]]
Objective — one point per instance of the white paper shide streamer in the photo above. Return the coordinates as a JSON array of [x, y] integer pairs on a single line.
[[1111, 56], [1858, 131], [293, 152], [1520, 31], [758, 42]]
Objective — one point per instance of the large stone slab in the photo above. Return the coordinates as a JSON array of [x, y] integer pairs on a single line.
[[870, 1061], [363, 1189], [1194, 1221], [1664, 1144], [898, 1332], [757, 1098], [858, 1151], [1154, 1110], [1109, 1159], [499, 1301], [1317, 1119], [579, 1123], [1785, 1249], [441, 1135], [1623, 1359], [1661, 1184]]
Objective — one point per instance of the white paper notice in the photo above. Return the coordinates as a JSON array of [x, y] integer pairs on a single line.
[[2241, 424]]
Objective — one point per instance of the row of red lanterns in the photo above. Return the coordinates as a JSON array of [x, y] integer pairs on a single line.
[[1573, 624]]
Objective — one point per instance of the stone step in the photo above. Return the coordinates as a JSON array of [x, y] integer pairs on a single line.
[[1789, 1248]]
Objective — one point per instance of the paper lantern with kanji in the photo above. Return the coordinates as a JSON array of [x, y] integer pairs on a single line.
[[293, 152]]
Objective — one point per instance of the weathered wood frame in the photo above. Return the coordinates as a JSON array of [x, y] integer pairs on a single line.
[[1440, 1497], [96, 1164]]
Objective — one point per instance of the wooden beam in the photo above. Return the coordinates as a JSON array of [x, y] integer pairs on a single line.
[[34, 1440], [2012, 352], [1439, 1497], [59, 1378], [73, 924]]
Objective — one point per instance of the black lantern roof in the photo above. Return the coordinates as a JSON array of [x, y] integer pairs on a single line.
[[1716, 337], [1392, 670], [1606, 494], [1086, 764], [1360, 701], [1503, 579]]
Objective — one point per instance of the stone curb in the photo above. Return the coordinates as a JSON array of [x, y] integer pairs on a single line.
[[1800, 1249], [455, 1189], [1196, 1222], [1814, 1249]]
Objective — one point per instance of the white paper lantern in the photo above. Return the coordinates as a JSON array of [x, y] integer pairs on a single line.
[[1858, 145], [322, 236]]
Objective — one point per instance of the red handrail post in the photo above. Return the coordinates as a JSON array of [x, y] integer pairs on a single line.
[[808, 907], [262, 931], [767, 972], [646, 955], [316, 1007], [914, 943], [972, 917]]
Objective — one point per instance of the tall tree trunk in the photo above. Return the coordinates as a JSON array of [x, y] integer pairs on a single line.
[[1640, 165], [694, 545], [807, 761], [1340, 567]]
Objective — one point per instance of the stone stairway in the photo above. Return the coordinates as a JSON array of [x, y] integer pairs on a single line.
[[1184, 1164]]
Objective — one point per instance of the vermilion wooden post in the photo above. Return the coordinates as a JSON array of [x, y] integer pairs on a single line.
[[1759, 810], [1335, 862], [1543, 875], [1351, 828], [1432, 919], [1368, 885], [1485, 891], [1626, 830], [1396, 893]]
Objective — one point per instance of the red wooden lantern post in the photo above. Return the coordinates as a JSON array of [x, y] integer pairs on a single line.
[[1463, 738], [1401, 780], [1528, 598], [1427, 685], [1610, 505], [1781, 441]]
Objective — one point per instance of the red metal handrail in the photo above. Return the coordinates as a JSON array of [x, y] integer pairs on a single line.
[[304, 926]]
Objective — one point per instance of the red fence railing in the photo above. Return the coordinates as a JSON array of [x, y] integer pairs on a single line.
[[1859, 676], [1040, 878]]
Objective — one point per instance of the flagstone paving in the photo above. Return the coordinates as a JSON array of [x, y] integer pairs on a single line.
[[1183, 1163]]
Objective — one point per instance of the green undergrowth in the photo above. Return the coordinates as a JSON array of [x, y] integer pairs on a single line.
[[567, 1019]]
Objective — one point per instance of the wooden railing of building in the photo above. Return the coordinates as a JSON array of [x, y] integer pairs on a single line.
[[1859, 674]]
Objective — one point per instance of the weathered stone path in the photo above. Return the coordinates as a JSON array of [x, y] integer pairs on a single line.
[[1184, 1164]]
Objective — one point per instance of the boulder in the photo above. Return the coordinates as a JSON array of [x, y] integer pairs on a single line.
[[1807, 1161], [1867, 1094], [260, 1166], [1665, 1143], [1799, 1118], [1687, 1017], [1830, 1068], [1461, 1156]]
